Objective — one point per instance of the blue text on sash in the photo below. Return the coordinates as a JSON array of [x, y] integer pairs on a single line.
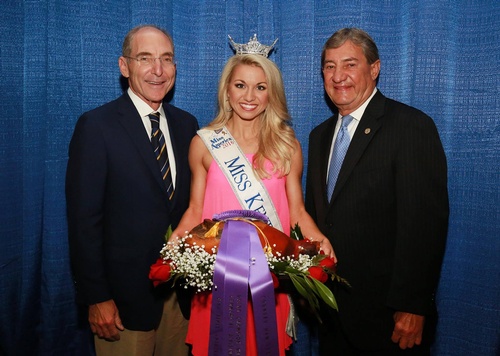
[[238, 174]]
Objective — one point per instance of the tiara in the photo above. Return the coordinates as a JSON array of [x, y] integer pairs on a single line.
[[252, 47]]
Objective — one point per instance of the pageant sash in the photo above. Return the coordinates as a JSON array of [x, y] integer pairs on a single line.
[[250, 191], [241, 264]]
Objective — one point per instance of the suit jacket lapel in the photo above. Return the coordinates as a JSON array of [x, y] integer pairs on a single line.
[[366, 130], [130, 120]]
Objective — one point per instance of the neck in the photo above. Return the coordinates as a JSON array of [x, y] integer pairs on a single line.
[[246, 135], [246, 130]]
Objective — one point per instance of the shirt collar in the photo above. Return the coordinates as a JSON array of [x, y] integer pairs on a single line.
[[143, 108], [358, 113]]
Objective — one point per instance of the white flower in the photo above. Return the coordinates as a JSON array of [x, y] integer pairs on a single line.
[[196, 266]]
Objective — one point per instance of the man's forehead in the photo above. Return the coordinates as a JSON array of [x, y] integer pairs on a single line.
[[151, 37], [346, 52]]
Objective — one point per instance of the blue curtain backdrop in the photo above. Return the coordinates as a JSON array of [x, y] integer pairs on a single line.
[[58, 58]]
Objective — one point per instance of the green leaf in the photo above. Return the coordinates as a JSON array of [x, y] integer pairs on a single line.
[[280, 266], [296, 232], [325, 294], [306, 289], [292, 270], [310, 282], [168, 233], [298, 285], [317, 259]]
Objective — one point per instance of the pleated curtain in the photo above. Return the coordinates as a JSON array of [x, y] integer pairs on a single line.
[[59, 58]]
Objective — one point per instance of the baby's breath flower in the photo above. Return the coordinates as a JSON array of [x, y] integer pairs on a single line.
[[196, 266]]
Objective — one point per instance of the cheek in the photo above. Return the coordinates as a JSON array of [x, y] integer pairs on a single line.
[[230, 99], [231, 96], [170, 72], [263, 98], [135, 76]]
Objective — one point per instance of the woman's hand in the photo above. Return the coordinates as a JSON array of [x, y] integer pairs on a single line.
[[326, 247]]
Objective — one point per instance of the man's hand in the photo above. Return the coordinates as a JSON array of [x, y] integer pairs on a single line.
[[407, 329], [105, 321]]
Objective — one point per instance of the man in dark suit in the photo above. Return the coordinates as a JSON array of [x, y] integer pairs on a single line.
[[387, 216], [118, 207]]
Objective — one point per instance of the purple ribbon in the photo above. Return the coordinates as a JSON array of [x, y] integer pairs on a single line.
[[230, 293], [247, 214], [262, 290], [241, 263]]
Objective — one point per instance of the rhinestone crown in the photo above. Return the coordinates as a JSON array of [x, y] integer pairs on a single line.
[[252, 47]]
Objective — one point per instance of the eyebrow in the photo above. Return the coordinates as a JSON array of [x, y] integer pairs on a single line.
[[169, 54], [348, 59], [244, 81]]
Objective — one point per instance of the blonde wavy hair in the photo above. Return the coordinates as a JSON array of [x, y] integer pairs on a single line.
[[277, 138]]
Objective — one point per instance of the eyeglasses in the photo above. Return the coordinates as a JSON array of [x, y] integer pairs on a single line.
[[165, 61]]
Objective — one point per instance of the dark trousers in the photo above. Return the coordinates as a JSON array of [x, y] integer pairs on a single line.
[[334, 342]]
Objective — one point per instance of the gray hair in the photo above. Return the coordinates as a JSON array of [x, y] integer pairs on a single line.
[[357, 37]]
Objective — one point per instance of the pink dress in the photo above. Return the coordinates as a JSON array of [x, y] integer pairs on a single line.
[[219, 197]]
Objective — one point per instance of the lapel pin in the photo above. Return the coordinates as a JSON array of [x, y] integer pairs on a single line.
[[367, 131]]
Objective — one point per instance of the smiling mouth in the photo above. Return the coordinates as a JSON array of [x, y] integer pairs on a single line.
[[248, 106]]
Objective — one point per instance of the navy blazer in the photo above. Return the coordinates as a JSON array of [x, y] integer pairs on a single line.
[[388, 216], [118, 209]]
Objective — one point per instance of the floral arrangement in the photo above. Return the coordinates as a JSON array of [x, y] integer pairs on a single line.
[[190, 264]]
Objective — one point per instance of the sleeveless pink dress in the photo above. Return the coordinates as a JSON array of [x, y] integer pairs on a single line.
[[219, 197]]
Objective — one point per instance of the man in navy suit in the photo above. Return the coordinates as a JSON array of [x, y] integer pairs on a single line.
[[387, 217], [118, 207]]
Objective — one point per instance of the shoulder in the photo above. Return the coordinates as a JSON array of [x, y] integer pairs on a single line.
[[180, 121], [113, 106], [176, 112], [323, 127], [407, 116], [205, 130], [197, 143], [101, 116], [397, 107], [199, 153], [296, 146], [396, 114]]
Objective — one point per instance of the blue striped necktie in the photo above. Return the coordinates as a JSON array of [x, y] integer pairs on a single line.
[[339, 150], [160, 149]]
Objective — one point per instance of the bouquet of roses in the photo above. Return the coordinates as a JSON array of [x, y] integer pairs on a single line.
[[190, 260]]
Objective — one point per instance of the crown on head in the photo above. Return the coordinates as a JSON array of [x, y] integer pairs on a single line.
[[252, 47]]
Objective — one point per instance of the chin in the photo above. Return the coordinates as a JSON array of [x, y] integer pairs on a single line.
[[156, 98], [342, 101]]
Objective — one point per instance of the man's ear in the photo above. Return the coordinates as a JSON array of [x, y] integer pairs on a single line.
[[123, 64], [375, 69]]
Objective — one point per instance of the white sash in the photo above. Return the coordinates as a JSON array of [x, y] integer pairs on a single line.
[[250, 191]]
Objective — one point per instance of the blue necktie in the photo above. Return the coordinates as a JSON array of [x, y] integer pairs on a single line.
[[160, 149], [339, 150]]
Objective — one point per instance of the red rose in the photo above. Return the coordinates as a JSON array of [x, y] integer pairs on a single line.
[[159, 272], [328, 263], [317, 272], [276, 282]]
